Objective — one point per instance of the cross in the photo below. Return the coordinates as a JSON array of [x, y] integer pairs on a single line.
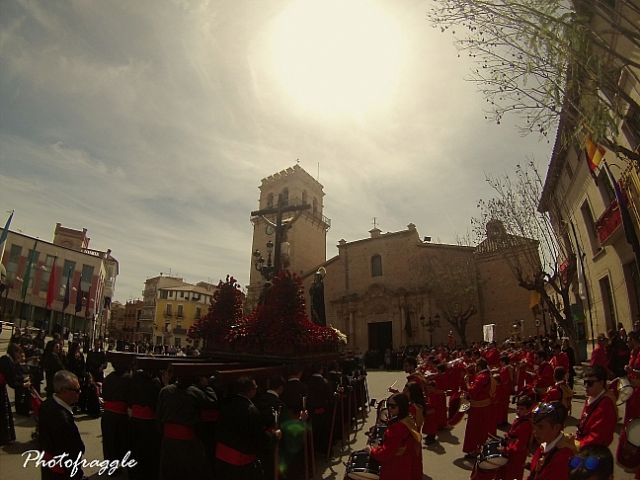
[[279, 226]]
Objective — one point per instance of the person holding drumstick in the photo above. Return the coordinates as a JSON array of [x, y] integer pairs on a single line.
[[400, 454]]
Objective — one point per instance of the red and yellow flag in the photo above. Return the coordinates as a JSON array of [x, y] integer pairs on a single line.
[[595, 154]]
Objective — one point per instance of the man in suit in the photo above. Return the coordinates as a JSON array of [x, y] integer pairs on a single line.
[[58, 431]]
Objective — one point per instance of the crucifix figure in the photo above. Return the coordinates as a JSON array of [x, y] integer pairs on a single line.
[[280, 226]]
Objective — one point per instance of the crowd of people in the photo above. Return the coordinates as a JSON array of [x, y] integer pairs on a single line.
[[538, 377], [181, 423]]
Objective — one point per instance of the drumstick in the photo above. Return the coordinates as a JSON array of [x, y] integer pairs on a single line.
[[393, 384]]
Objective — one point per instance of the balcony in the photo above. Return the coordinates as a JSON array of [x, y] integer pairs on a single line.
[[609, 223]]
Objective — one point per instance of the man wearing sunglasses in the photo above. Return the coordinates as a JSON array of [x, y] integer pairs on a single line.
[[551, 459], [599, 415], [58, 431]]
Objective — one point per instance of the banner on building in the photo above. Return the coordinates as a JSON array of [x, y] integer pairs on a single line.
[[488, 332]]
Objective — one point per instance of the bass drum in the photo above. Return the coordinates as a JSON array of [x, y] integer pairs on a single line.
[[490, 457], [628, 453], [362, 467]]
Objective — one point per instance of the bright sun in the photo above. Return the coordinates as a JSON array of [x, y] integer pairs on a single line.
[[336, 57]]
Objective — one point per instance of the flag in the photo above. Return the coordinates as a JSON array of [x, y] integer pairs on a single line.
[[595, 154], [51, 291], [65, 301], [4, 235], [27, 273], [79, 296], [627, 222]]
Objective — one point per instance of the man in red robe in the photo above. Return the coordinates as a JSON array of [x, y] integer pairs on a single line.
[[599, 354], [480, 416], [599, 415]]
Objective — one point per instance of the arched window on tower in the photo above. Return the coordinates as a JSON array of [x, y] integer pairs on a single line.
[[284, 196], [315, 206], [270, 200], [376, 266], [304, 197]]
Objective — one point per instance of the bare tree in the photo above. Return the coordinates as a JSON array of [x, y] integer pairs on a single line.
[[538, 253], [452, 282], [540, 59]]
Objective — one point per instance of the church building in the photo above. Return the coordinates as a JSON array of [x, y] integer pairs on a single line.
[[390, 289]]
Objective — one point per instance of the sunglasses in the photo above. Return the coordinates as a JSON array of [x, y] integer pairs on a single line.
[[589, 463]]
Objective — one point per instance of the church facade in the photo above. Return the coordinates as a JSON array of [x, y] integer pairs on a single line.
[[396, 289]]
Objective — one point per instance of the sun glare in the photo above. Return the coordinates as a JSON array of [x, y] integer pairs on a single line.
[[336, 57]]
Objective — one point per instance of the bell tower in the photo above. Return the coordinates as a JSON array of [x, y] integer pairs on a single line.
[[303, 245]]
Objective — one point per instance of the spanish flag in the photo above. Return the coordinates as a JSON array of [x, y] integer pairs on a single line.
[[595, 154]]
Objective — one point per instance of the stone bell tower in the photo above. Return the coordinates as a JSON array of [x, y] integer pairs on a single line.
[[303, 245]]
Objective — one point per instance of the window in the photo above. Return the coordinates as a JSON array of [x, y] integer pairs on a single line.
[[198, 313], [195, 296], [304, 197], [180, 310], [606, 190], [569, 169], [315, 206], [164, 294], [181, 294], [376, 266], [284, 197], [87, 277], [607, 304], [14, 260], [169, 310], [33, 259], [590, 225], [270, 200]]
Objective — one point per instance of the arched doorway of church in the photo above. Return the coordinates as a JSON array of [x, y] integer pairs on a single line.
[[380, 338]]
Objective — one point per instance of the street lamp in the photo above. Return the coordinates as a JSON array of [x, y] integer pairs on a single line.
[[265, 267], [430, 325]]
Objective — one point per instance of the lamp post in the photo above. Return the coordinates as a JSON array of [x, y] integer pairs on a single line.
[[430, 325], [265, 267]]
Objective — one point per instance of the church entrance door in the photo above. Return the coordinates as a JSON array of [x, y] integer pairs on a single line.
[[380, 336]]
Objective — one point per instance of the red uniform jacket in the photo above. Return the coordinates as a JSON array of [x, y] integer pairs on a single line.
[[599, 356], [517, 449], [492, 356], [545, 376], [480, 419], [400, 455], [553, 465], [597, 422]]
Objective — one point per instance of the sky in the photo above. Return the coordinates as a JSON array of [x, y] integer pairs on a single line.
[[152, 122]]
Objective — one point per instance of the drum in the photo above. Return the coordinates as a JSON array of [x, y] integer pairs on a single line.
[[376, 434], [628, 453], [362, 467], [465, 405], [490, 456], [625, 390]]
